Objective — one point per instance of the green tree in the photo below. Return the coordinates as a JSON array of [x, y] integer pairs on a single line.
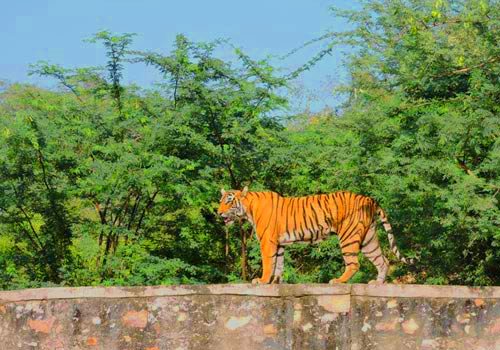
[[112, 184]]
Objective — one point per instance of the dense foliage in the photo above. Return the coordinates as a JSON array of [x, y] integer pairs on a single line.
[[105, 183]]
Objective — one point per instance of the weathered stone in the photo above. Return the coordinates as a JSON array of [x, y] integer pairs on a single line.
[[429, 344], [297, 316], [127, 338], [330, 317], [308, 326], [53, 344], [92, 341], [42, 326], [494, 328], [366, 327], [410, 326], [237, 322], [135, 319], [463, 318], [270, 329], [241, 317], [391, 304], [479, 302], [337, 303], [388, 326]]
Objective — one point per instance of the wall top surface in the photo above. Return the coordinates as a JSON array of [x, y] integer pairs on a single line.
[[282, 290]]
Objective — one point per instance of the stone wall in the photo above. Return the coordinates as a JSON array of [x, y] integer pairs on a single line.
[[245, 317]]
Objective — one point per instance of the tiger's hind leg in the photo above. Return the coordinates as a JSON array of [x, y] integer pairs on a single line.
[[371, 249], [350, 250]]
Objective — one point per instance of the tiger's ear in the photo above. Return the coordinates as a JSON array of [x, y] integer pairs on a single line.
[[244, 192], [222, 191]]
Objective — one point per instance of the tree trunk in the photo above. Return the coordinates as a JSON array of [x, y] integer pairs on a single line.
[[244, 259], [226, 250]]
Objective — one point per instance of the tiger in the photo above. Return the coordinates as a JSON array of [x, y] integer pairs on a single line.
[[280, 221]]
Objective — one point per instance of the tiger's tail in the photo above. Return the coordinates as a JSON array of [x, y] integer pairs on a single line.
[[390, 236]]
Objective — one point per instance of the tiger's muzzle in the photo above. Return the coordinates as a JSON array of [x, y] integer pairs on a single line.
[[228, 218]]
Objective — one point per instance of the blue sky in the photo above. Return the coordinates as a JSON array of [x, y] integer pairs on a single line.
[[54, 30]]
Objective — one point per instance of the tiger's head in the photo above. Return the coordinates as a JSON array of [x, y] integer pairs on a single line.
[[230, 207]]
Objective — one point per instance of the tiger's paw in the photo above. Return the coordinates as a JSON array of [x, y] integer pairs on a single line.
[[335, 281], [261, 281], [376, 282], [276, 280]]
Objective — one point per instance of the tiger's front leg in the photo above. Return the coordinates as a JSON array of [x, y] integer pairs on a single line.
[[269, 254], [279, 265]]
